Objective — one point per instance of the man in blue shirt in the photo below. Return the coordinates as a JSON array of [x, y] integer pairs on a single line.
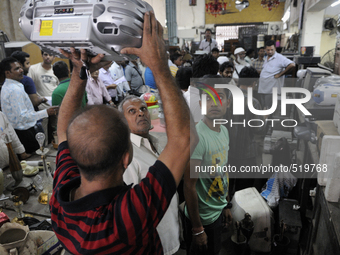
[[17, 106], [149, 79], [272, 75]]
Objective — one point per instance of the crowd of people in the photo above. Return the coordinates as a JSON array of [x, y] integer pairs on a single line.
[[116, 188]]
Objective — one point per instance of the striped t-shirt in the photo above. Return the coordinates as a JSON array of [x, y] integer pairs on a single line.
[[120, 220]]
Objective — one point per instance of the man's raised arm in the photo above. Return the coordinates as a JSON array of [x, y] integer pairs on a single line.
[[73, 97], [177, 115]]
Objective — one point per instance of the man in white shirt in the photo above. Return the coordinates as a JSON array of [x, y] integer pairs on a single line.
[[146, 150], [117, 74], [106, 78], [44, 79], [272, 75], [208, 43], [45, 82], [17, 146], [17, 106]]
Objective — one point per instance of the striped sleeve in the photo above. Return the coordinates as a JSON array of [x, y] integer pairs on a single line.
[[138, 212], [64, 164]]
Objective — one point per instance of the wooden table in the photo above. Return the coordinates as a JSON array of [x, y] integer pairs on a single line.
[[32, 206]]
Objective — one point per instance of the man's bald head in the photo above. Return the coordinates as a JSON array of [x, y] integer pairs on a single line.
[[98, 137]]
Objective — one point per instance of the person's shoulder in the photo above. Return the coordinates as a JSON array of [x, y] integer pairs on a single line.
[[34, 67], [58, 89], [224, 130], [279, 55], [26, 80], [63, 148], [160, 171], [201, 128]]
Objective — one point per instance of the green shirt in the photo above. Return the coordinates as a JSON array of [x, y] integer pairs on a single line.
[[60, 91], [212, 191]]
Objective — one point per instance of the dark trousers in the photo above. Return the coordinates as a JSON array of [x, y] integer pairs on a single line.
[[266, 100], [213, 231], [27, 138], [237, 184]]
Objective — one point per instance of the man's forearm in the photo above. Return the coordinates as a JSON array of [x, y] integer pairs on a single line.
[[288, 68], [71, 103], [192, 206], [177, 115], [191, 197], [112, 86], [173, 102], [35, 99]]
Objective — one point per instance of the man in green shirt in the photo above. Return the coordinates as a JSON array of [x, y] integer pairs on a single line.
[[206, 193], [60, 70]]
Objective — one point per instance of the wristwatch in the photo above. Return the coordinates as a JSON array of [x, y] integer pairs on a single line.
[[229, 206]]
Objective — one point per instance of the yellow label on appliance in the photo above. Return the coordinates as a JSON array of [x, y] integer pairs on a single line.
[[334, 95], [46, 28]]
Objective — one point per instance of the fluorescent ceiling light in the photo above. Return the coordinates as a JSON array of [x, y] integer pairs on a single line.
[[335, 4], [287, 15]]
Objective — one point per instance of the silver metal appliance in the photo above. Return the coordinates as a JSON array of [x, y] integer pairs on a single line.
[[99, 26]]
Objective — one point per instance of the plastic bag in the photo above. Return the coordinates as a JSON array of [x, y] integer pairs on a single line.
[[278, 186]]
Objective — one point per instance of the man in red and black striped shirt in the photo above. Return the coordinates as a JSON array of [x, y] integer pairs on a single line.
[[92, 210]]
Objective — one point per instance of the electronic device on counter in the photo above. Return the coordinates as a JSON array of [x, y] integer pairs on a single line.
[[311, 75], [326, 90], [99, 26], [307, 51]]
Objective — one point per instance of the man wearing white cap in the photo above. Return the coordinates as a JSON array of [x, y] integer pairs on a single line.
[[222, 60], [240, 54]]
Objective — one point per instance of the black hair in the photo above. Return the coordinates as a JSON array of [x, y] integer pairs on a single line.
[[42, 53], [183, 76], [208, 29], [248, 76], [249, 52], [261, 48], [209, 79], [5, 64], [215, 50], [225, 65], [60, 69], [204, 64], [20, 56], [270, 43], [175, 56]]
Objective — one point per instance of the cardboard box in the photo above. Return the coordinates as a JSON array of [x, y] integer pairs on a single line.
[[325, 127]]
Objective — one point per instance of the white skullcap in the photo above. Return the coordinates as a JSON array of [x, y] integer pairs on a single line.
[[222, 59], [238, 50]]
